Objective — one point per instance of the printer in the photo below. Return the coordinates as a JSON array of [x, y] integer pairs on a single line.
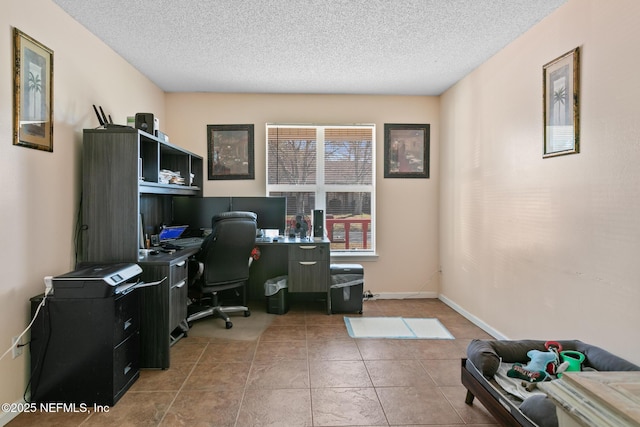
[[97, 281]]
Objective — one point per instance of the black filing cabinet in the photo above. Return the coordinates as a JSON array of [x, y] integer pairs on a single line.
[[84, 350]]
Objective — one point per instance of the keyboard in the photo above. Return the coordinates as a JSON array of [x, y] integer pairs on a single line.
[[188, 242]]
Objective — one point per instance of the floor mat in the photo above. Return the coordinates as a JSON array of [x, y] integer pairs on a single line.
[[244, 328], [396, 328]]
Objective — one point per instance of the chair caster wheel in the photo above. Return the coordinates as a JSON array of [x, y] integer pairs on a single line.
[[228, 325], [247, 313]]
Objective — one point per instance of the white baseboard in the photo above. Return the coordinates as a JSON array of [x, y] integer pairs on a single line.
[[470, 317], [404, 295], [6, 417], [473, 319]]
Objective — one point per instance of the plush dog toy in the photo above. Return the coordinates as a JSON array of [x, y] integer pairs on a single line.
[[535, 370]]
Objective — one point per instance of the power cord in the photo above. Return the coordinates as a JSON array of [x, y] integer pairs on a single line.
[[368, 295], [17, 344]]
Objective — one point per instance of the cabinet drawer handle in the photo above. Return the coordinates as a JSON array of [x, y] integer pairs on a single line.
[[127, 324], [127, 368], [181, 264], [308, 262], [308, 247], [180, 284]]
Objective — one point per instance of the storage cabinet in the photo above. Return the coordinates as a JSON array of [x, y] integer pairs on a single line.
[[125, 198], [163, 308], [309, 267], [84, 350]]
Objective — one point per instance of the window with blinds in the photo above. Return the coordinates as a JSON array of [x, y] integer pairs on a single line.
[[329, 168]]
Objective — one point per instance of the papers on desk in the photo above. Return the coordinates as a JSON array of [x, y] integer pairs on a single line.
[[125, 288]]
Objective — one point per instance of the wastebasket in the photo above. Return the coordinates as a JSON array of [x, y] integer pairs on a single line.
[[276, 292], [347, 285]]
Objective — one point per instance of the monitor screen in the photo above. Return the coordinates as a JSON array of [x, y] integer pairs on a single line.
[[171, 233], [198, 211], [271, 211]]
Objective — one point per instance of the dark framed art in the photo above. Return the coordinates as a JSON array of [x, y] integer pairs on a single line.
[[230, 151], [32, 93], [406, 150], [561, 92]]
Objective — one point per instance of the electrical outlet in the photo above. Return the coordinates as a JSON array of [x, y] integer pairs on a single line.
[[15, 349]]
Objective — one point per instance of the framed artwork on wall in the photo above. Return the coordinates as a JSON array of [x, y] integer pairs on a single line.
[[32, 93], [230, 152], [406, 150], [561, 92]]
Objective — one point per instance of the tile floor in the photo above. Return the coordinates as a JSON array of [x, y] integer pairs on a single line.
[[303, 370]]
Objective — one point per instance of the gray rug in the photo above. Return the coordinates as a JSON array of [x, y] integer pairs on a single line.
[[244, 328]]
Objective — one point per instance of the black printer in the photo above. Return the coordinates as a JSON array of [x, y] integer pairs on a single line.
[[97, 281]]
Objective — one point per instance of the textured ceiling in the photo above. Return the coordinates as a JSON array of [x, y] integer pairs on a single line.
[[400, 47]]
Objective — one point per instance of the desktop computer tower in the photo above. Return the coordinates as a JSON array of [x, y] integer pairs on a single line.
[[318, 223]]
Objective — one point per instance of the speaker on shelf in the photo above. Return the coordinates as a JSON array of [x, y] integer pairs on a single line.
[[318, 223], [146, 122]]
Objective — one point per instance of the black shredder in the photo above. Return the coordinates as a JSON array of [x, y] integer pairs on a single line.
[[347, 285]]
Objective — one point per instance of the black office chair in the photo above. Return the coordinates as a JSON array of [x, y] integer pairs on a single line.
[[222, 264]]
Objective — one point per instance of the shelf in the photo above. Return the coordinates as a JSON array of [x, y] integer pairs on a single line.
[[155, 188], [119, 207]]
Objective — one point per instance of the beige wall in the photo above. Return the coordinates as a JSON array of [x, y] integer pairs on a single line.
[[406, 211], [529, 247], [547, 248], [40, 190]]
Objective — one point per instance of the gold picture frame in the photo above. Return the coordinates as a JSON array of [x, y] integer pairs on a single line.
[[561, 93], [32, 93]]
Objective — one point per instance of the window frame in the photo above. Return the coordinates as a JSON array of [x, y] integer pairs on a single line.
[[320, 188]]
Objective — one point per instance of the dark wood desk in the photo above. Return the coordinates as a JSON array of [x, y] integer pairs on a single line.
[[305, 262], [163, 307]]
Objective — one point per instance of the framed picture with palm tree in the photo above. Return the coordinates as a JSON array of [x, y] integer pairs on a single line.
[[561, 89], [32, 93]]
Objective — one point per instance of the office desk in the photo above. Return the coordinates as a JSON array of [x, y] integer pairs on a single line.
[[163, 308], [305, 262]]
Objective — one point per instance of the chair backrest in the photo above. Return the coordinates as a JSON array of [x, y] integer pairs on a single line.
[[225, 252]]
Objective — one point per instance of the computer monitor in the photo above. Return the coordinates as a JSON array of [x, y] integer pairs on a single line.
[[271, 211], [198, 211]]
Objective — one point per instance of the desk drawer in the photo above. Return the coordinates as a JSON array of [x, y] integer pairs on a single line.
[[127, 317], [309, 252], [308, 276], [178, 294], [179, 272], [125, 362]]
